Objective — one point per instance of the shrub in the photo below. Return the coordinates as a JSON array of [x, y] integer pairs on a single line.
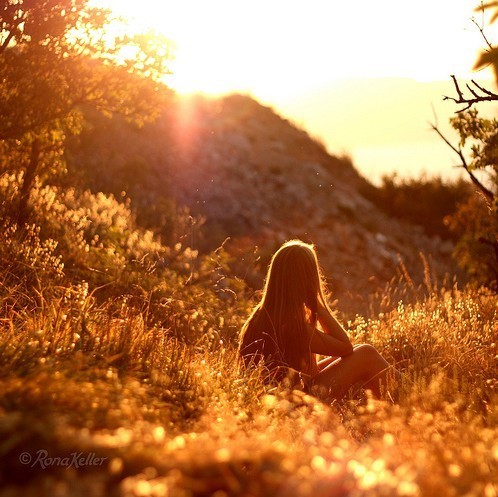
[[476, 226], [423, 201]]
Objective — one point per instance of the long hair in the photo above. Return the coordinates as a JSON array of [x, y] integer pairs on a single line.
[[276, 332]]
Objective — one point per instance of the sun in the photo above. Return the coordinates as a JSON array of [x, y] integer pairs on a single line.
[[214, 53]]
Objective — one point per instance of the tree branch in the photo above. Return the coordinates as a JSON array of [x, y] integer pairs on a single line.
[[486, 192], [485, 95], [12, 32], [481, 30], [5, 44]]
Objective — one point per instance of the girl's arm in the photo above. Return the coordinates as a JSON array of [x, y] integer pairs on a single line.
[[335, 341], [330, 324]]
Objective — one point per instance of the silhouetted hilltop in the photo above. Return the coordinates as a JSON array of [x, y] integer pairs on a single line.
[[258, 179], [245, 167]]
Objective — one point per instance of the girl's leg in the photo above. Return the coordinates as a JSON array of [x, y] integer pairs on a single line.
[[323, 363], [365, 365]]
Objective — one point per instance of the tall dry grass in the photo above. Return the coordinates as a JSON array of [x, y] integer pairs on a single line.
[[136, 365], [177, 418]]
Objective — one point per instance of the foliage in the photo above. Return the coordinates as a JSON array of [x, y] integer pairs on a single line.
[[477, 249], [480, 136], [477, 227], [476, 221], [60, 54], [490, 55], [94, 238], [57, 57], [114, 156]]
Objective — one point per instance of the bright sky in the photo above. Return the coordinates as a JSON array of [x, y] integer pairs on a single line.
[[268, 47], [283, 50]]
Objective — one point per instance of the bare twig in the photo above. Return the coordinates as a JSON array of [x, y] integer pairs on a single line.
[[486, 192], [485, 95], [484, 90], [481, 30]]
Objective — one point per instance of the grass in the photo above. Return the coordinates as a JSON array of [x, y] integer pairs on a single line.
[[168, 417], [119, 376]]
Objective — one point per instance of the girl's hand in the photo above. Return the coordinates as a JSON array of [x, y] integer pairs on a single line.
[[332, 327]]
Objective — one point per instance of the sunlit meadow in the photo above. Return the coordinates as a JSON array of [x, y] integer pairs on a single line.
[[141, 375]]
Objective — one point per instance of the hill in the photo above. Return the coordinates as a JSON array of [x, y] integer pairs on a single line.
[[253, 176], [119, 372]]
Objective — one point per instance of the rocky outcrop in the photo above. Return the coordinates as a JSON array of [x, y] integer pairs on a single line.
[[254, 173]]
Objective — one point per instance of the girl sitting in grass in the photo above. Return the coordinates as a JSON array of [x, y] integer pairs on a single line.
[[282, 330]]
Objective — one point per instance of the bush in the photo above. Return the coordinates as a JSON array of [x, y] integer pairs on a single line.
[[476, 226], [423, 201]]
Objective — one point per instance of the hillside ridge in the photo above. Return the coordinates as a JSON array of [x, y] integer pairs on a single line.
[[258, 179]]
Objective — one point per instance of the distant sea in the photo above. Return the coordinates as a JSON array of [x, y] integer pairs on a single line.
[[411, 160]]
